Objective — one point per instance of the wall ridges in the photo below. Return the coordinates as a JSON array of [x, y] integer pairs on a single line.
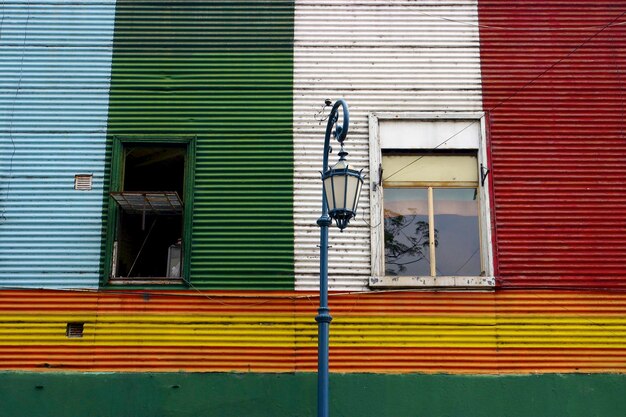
[[398, 332], [54, 90]]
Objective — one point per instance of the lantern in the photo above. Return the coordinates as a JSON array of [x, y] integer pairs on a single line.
[[342, 187]]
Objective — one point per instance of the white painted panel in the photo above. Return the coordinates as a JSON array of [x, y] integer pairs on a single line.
[[427, 134], [381, 56]]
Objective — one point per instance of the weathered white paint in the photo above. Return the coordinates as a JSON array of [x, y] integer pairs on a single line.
[[426, 134], [381, 56]]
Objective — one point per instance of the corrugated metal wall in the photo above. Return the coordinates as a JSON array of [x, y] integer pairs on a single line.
[[465, 332], [55, 60], [221, 72], [553, 83], [557, 158], [379, 56]]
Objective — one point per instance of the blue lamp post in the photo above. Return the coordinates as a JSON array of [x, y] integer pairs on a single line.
[[340, 197]]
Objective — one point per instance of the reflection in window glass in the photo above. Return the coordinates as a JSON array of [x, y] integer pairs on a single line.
[[406, 232], [458, 235]]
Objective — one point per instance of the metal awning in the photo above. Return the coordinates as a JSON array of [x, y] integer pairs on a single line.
[[149, 202]]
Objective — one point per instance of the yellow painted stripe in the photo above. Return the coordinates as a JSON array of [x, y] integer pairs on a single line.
[[300, 331]]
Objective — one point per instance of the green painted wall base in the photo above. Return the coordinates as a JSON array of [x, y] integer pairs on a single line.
[[362, 395]]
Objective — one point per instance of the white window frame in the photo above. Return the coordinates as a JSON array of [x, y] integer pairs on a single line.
[[378, 278]]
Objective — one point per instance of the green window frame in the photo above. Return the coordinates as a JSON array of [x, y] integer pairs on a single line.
[[119, 144]]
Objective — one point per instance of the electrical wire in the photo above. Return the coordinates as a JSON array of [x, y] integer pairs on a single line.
[[208, 294], [531, 290], [518, 90], [520, 29], [431, 149]]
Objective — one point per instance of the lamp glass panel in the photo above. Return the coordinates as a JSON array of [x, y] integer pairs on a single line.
[[353, 188], [358, 194], [328, 189], [339, 183]]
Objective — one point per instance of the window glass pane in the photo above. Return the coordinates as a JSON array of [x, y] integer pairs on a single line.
[[457, 231], [429, 168], [406, 231]]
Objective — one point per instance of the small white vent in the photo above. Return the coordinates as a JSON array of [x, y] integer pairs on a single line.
[[83, 182]]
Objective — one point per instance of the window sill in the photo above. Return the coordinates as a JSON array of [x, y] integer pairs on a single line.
[[146, 281], [432, 282]]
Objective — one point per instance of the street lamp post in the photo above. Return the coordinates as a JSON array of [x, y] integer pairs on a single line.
[[340, 197]]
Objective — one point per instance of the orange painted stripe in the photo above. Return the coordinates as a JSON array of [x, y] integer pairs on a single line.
[[149, 358], [396, 303]]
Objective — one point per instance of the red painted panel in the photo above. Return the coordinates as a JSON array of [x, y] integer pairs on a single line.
[[553, 87]]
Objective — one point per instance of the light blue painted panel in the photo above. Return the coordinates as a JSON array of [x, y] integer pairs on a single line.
[[55, 63]]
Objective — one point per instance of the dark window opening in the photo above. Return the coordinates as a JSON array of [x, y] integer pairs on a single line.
[[149, 232]]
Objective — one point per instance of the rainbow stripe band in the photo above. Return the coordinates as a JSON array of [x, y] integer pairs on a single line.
[[493, 333]]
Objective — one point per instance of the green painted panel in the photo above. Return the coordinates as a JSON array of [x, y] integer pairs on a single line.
[[222, 72], [293, 395]]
